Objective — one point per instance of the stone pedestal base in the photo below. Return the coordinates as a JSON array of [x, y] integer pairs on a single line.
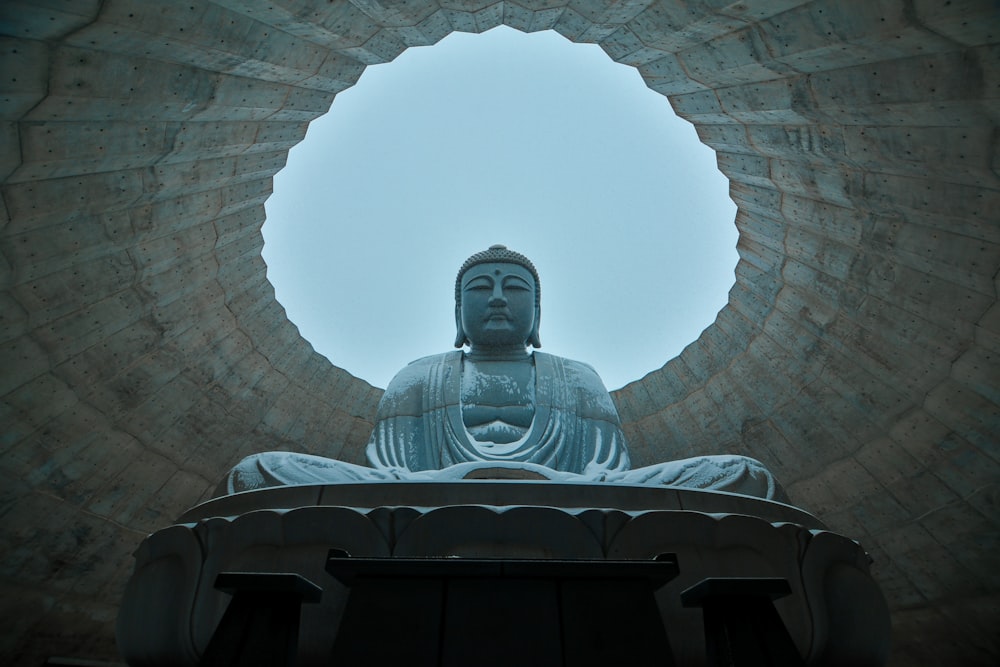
[[835, 613]]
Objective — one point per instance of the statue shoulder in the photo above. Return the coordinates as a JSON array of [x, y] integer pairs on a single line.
[[575, 370], [405, 393], [592, 396]]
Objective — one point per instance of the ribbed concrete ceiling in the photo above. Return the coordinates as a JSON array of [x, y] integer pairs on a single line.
[[144, 352]]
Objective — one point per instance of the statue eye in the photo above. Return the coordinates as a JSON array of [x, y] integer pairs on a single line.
[[516, 284], [479, 284]]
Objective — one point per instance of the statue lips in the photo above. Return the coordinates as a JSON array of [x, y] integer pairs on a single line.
[[497, 315]]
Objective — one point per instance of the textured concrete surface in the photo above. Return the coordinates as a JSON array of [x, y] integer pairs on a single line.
[[143, 351]]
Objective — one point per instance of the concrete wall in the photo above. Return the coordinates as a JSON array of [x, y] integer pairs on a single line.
[[143, 351]]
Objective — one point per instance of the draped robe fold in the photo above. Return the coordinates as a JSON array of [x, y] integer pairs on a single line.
[[575, 436], [575, 428]]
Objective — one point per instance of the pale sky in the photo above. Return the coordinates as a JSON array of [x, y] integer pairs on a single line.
[[545, 146]]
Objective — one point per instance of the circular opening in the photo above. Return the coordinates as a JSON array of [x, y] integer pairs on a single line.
[[545, 146]]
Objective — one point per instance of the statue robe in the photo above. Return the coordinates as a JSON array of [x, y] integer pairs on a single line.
[[575, 428], [575, 436]]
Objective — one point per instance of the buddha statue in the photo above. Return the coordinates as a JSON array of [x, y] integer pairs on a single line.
[[498, 409]]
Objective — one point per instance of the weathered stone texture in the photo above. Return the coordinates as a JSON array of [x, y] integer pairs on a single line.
[[144, 352]]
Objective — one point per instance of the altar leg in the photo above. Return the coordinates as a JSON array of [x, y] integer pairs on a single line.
[[742, 627], [261, 625]]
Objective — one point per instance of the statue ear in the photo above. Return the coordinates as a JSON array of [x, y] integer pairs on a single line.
[[533, 338], [460, 338]]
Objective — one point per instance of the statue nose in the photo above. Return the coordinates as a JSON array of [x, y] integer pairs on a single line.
[[498, 298]]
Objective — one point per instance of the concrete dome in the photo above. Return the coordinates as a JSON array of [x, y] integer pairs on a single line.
[[144, 352]]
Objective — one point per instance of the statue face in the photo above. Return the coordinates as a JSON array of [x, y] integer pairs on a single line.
[[498, 304]]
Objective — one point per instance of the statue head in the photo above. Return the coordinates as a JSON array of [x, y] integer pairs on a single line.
[[497, 283]]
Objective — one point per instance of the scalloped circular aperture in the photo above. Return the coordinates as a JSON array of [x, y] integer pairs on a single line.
[[529, 140]]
